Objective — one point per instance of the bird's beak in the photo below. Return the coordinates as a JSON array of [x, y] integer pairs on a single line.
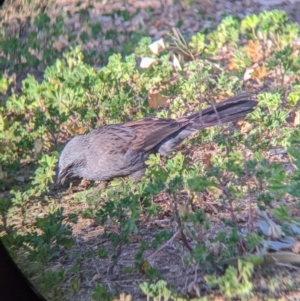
[[62, 175]]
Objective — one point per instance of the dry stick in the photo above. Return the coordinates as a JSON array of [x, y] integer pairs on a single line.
[[114, 260], [217, 114], [288, 266], [96, 268], [225, 190], [249, 193], [149, 258], [248, 186], [188, 230], [180, 225], [195, 275], [180, 42]]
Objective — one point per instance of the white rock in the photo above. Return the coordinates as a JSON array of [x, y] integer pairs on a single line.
[[147, 62], [157, 46]]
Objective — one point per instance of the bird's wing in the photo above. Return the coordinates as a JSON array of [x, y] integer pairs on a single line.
[[149, 132], [146, 134], [112, 139]]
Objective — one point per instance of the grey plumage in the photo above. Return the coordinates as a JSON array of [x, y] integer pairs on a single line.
[[122, 149]]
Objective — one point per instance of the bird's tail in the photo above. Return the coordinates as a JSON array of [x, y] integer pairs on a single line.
[[229, 110]]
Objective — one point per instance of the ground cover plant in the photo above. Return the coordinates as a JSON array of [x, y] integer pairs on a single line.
[[218, 218]]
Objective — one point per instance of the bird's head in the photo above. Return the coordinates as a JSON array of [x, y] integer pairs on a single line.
[[72, 159]]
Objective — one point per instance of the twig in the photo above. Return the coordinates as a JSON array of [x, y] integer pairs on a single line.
[[116, 254], [247, 183], [226, 192], [249, 193], [149, 258], [180, 225], [288, 266], [195, 276], [96, 268]]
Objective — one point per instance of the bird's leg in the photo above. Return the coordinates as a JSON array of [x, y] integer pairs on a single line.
[[137, 175], [84, 184], [101, 186]]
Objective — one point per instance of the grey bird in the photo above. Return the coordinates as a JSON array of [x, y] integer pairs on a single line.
[[121, 149]]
